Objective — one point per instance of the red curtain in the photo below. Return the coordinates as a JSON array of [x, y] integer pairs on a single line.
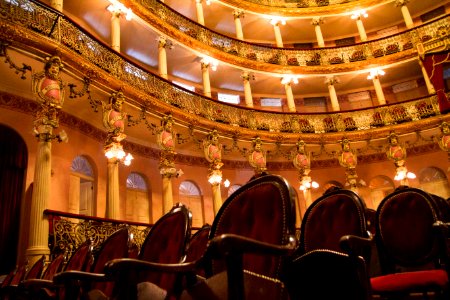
[[13, 163], [434, 64]]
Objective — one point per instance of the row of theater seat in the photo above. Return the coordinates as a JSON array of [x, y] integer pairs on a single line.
[[345, 251]]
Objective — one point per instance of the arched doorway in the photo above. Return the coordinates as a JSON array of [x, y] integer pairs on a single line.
[[380, 186], [81, 189], [190, 196], [137, 206], [13, 167]]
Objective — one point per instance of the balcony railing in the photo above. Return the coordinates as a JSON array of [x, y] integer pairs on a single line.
[[297, 3], [404, 43], [49, 24], [68, 231]]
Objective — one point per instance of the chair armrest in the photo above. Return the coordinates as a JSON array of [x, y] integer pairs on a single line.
[[36, 284], [69, 276], [226, 244], [356, 245], [127, 264]]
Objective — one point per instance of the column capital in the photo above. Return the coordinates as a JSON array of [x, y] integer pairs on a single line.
[[331, 80], [198, 1], [401, 2], [277, 21], [237, 14], [288, 80], [317, 21], [204, 65], [247, 76], [164, 43]]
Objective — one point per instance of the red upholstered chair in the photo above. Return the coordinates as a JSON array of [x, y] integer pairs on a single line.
[[330, 262], [197, 247], [250, 239], [165, 244], [79, 283], [411, 246], [12, 290], [44, 288]]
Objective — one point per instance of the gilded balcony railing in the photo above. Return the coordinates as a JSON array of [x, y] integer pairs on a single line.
[[62, 31], [68, 231], [405, 42], [298, 3]]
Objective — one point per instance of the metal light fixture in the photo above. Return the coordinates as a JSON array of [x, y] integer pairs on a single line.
[[115, 151]]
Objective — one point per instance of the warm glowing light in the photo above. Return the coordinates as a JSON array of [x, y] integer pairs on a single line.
[[277, 21], [115, 151], [358, 14], [215, 177], [374, 73], [211, 62], [306, 183], [226, 183], [119, 8], [289, 79]]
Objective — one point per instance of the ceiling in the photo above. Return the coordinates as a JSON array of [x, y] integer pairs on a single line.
[[139, 42]]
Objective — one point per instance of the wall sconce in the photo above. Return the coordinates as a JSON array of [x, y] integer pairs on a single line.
[[359, 13], [119, 8], [215, 177], [374, 73], [307, 183], [115, 151], [402, 174]]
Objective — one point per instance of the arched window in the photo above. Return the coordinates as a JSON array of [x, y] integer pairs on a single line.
[[190, 195], [233, 188], [138, 206], [433, 180], [380, 186], [81, 187]]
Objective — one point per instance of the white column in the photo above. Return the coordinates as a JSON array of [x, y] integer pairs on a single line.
[[333, 96], [247, 89], [277, 31], [57, 4], [112, 193], [361, 30], [167, 193], [217, 197], [307, 196], [38, 238], [316, 22], [199, 7], [115, 31], [162, 57], [405, 12], [430, 87], [290, 97], [205, 77], [378, 90], [237, 22]]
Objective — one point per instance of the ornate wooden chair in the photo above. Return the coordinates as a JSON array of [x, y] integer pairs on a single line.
[[44, 288], [165, 243], [197, 247], [411, 246], [79, 283], [249, 238], [330, 262], [11, 290]]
